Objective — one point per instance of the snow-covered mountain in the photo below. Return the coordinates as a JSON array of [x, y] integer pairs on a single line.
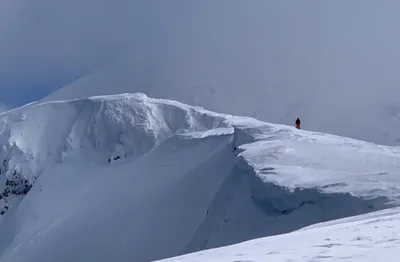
[[271, 60], [352, 114], [131, 178]]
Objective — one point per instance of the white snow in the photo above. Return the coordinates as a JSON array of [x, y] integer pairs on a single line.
[[132, 178], [273, 60], [304, 159], [374, 119], [366, 238]]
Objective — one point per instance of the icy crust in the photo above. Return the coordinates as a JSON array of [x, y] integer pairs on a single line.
[[100, 129]]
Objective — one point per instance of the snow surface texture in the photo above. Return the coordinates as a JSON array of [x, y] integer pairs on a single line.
[[366, 238], [131, 178]]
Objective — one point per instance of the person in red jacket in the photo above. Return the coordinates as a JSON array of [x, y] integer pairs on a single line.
[[298, 123]]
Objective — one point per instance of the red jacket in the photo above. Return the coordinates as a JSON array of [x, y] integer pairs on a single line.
[[298, 123]]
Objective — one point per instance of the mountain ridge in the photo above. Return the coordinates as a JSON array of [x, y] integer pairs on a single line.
[[156, 167]]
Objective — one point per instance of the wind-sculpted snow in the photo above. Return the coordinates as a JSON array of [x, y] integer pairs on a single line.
[[35, 137], [284, 180], [131, 178], [329, 163], [100, 129]]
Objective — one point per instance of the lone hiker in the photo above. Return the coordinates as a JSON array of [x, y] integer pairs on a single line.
[[298, 123]]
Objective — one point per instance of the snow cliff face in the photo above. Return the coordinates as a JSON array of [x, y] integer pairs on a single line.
[[128, 177]]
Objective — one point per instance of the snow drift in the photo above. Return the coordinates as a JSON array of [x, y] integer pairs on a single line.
[[131, 178]]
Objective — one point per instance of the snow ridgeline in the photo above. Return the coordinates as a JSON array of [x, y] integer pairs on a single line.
[[254, 179], [100, 129], [283, 180]]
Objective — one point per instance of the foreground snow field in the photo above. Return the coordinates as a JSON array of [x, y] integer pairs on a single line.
[[131, 178], [366, 238]]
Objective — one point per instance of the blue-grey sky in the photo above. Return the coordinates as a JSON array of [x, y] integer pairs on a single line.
[[45, 44], [341, 48]]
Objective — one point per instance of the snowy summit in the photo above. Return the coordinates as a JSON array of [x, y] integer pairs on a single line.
[[132, 178]]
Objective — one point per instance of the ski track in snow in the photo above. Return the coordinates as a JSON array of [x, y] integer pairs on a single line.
[[131, 178]]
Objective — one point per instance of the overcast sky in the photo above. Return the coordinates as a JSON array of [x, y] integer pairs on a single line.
[[341, 48]]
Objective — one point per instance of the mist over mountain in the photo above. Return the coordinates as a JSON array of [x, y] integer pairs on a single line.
[[332, 64]]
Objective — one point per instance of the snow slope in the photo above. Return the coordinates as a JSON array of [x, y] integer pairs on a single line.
[[365, 238], [131, 178]]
